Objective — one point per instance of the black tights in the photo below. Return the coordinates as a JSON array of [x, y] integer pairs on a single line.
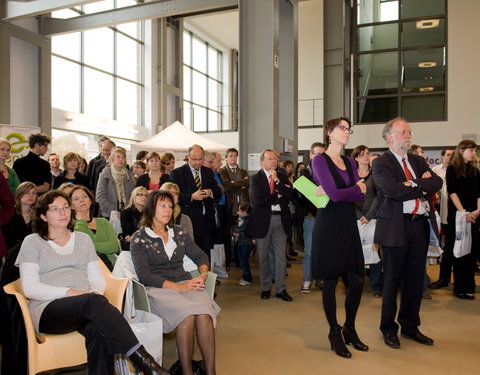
[[352, 299]]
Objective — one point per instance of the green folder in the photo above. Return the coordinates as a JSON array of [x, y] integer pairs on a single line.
[[308, 189]]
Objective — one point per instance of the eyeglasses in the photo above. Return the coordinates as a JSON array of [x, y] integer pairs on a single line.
[[344, 128], [56, 210]]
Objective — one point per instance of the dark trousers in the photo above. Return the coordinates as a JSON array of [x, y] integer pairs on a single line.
[[204, 242], [229, 223], [244, 255], [464, 267], [447, 256], [105, 329], [405, 266]]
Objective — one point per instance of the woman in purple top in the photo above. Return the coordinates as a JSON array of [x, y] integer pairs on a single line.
[[336, 246]]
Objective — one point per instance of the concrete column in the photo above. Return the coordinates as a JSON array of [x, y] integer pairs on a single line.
[[268, 77]]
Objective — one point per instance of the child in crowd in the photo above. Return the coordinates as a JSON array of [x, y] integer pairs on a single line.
[[243, 243]]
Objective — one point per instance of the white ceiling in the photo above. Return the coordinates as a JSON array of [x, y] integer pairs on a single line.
[[221, 27]]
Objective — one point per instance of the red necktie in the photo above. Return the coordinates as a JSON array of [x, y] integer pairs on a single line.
[[271, 183], [410, 177]]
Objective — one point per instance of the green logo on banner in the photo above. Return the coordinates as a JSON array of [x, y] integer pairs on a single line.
[[18, 142]]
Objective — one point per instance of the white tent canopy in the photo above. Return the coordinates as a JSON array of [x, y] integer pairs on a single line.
[[177, 139]]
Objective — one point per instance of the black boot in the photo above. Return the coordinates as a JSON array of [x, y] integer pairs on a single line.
[[337, 344], [351, 337], [145, 363]]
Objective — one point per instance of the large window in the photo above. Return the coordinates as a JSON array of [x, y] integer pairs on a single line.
[[99, 72], [203, 86], [400, 60]]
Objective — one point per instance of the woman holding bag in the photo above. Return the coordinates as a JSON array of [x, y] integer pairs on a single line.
[[463, 187]]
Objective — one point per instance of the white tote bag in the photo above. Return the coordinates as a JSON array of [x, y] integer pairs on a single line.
[[367, 231], [149, 331], [217, 256], [463, 235]]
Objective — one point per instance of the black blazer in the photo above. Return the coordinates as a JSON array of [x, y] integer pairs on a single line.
[[262, 200], [183, 177], [144, 180], [389, 176], [80, 179]]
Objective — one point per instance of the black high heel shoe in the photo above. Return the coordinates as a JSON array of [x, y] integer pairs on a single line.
[[337, 344], [351, 337]]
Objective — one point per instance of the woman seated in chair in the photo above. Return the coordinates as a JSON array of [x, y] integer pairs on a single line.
[[157, 253], [131, 215], [99, 229], [61, 276]]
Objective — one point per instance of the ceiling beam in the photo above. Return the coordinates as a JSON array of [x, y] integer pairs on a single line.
[[151, 10], [15, 10]]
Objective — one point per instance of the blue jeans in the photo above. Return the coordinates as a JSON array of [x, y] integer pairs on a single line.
[[375, 272], [243, 255], [308, 224]]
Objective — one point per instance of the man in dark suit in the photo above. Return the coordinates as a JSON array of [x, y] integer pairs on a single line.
[[236, 183], [198, 189], [405, 184], [270, 222], [100, 164]]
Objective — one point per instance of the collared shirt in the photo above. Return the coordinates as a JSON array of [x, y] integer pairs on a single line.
[[440, 170], [409, 206], [275, 207]]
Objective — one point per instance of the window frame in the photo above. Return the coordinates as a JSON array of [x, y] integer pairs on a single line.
[[221, 80], [399, 49]]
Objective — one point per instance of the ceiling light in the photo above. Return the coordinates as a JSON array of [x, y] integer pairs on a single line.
[[427, 24], [427, 64]]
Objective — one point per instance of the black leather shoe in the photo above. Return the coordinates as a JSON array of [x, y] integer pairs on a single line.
[[465, 296], [418, 337], [284, 296], [265, 294], [145, 363], [350, 336], [440, 283], [391, 339], [337, 344]]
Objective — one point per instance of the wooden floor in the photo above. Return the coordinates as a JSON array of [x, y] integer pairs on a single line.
[[275, 337]]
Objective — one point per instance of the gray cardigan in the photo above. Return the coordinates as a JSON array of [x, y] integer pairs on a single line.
[[106, 193], [151, 262]]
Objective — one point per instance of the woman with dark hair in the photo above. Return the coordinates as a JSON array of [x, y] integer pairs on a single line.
[[300, 166], [288, 166], [20, 226], [463, 187], [115, 184], [336, 247], [61, 277], [155, 176], [132, 214], [180, 300], [83, 165], [168, 163], [367, 209], [71, 163], [98, 229]]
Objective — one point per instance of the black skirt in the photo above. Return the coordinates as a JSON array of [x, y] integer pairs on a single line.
[[336, 245]]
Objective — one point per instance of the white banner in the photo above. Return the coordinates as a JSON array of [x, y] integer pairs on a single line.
[[18, 138]]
